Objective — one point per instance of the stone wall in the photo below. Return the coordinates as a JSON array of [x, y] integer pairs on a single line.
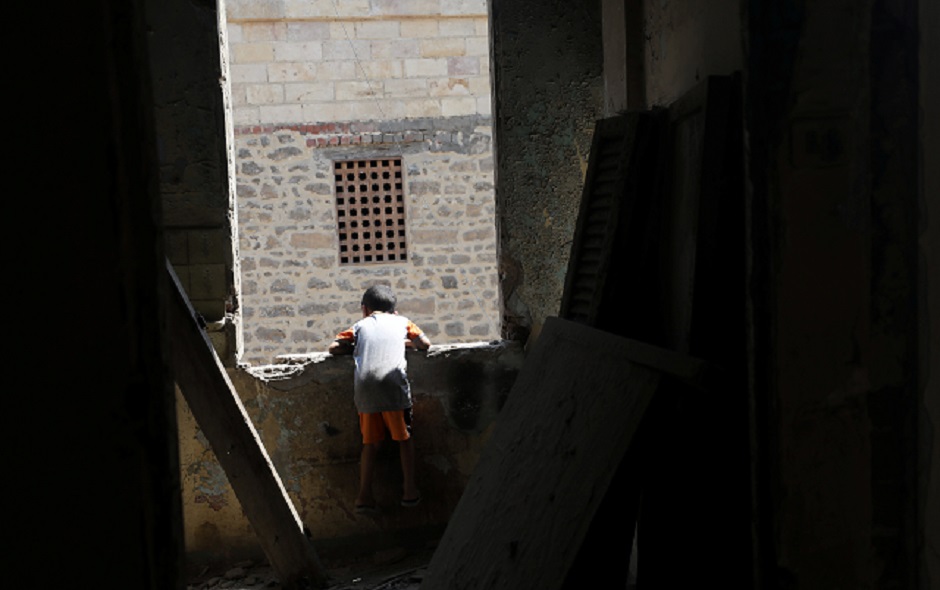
[[295, 293], [358, 60], [316, 82]]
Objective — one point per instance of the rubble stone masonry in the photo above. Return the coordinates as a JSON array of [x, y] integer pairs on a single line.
[[296, 295], [316, 82]]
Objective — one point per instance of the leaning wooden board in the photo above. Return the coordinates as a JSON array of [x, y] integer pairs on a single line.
[[238, 448], [555, 446]]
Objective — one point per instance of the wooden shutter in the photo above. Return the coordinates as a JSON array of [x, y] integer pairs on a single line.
[[618, 190]]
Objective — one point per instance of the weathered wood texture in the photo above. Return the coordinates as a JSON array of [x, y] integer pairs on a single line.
[[556, 446], [222, 418], [670, 272], [657, 253], [610, 280]]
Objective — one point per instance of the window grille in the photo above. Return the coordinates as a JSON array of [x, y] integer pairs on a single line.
[[370, 211]]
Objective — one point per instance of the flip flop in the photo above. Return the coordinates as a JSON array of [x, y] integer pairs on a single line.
[[412, 502], [366, 509]]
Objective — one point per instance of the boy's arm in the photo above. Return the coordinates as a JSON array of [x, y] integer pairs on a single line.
[[416, 338], [419, 343], [344, 343], [340, 347]]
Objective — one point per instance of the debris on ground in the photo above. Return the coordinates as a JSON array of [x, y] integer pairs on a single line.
[[390, 569]]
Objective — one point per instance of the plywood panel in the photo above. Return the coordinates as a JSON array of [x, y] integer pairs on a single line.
[[555, 448]]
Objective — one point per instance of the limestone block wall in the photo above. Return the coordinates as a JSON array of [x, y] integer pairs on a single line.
[[358, 60], [316, 82]]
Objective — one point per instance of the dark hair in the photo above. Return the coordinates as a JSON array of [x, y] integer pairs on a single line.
[[379, 298]]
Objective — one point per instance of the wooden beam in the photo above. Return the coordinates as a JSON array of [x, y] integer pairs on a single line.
[[222, 418], [624, 80], [613, 30], [635, 51]]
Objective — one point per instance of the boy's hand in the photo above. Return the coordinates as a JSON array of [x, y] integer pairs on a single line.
[[419, 343], [341, 347]]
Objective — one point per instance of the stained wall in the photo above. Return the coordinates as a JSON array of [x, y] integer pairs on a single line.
[[549, 91], [306, 419]]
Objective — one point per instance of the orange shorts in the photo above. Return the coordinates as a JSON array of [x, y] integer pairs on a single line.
[[373, 426]]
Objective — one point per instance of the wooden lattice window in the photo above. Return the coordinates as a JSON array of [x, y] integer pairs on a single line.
[[370, 211]]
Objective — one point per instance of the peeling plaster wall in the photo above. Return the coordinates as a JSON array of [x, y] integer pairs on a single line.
[[305, 417], [549, 86]]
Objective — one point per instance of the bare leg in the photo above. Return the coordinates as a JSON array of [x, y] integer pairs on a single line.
[[366, 469], [406, 449]]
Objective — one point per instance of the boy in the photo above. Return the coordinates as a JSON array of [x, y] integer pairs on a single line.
[[382, 391]]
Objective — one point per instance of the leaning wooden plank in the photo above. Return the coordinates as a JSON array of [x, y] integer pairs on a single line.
[[699, 374], [556, 444], [222, 418]]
